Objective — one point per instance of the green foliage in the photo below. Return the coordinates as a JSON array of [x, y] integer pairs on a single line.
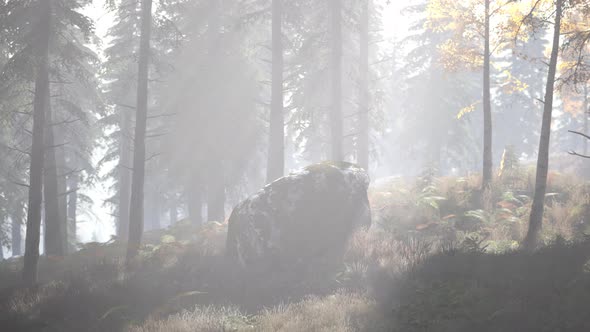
[[119, 71], [428, 199], [75, 101], [447, 209], [474, 244]]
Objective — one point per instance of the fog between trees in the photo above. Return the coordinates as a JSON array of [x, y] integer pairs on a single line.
[[476, 110]]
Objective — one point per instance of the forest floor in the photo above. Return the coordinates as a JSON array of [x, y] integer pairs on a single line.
[[440, 256]]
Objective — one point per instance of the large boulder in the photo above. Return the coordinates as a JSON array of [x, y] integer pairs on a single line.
[[303, 218]]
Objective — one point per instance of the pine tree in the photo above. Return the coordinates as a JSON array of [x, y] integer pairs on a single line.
[[41, 101], [336, 121], [276, 150], [363, 140], [46, 40], [120, 70], [136, 212]]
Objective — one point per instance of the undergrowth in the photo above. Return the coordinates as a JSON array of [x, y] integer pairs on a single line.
[[440, 256]]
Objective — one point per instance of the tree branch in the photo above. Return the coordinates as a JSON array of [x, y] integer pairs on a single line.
[[579, 133], [573, 153]]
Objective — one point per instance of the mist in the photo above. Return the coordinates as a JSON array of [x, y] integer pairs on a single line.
[[303, 165]]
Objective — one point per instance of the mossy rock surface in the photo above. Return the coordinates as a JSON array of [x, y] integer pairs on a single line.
[[301, 219]]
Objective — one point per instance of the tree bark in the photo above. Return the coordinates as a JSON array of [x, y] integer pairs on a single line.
[[336, 122], [216, 167], [137, 185], [487, 106], [276, 140], [363, 140], [585, 115], [54, 241], [62, 188], [73, 183], [16, 235], [37, 156], [148, 204], [536, 218], [125, 174]]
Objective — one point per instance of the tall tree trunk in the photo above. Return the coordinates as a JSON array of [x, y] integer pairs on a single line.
[[585, 115], [363, 140], [16, 235], [125, 174], [137, 185], [37, 149], [276, 140], [336, 122], [148, 204], [54, 241], [536, 218], [487, 105], [216, 171], [62, 188], [73, 183], [43, 227]]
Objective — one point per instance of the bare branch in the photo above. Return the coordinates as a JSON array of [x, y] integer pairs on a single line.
[[68, 121], [56, 145], [156, 135], [153, 156], [579, 133], [20, 184], [13, 148], [573, 153], [163, 115], [61, 82], [125, 106]]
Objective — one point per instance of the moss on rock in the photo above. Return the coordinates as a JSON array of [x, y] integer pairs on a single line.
[[300, 219]]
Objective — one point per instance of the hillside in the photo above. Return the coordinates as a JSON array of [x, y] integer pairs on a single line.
[[427, 263]]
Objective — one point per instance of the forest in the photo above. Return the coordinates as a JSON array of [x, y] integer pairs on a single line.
[[294, 165]]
